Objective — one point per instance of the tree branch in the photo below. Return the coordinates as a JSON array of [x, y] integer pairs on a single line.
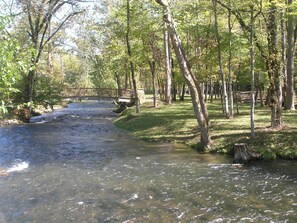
[[38, 24], [245, 27], [30, 22], [162, 2], [60, 26]]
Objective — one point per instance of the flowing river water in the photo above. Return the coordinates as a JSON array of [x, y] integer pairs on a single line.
[[74, 166]]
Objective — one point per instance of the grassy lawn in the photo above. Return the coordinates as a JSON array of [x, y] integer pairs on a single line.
[[176, 123]]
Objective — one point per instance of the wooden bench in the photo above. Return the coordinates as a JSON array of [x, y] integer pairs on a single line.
[[126, 100]]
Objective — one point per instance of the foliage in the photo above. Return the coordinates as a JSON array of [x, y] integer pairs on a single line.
[[14, 63], [101, 76]]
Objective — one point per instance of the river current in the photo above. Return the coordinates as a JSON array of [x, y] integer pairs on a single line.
[[73, 165]]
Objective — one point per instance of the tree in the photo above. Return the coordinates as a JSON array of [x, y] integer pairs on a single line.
[[271, 57], [252, 21], [130, 58], [230, 79], [273, 66], [291, 38], [39, 15], [168, 60], [14, 62], [224, 89], [195, 90]]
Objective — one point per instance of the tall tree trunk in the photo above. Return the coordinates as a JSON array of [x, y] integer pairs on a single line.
[[230, 81], [252, 73], [50, 46], [31, 78], [236, 91], [155, 88], [198, 85], [187, 73], [206, 90], [127, 77], [168, 96], [224, 90], [261, 93], [256, 93], [274, 67], [284, 56], [211, 89], [118, 79], [174, 88], [290, 94], [130, 58], [183, 91], [201, 99], [30, 85]]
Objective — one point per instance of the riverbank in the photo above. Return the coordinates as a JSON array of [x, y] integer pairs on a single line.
[[14, 118], [176, 123]]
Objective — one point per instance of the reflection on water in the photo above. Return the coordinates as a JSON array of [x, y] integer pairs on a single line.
[[80, 168]]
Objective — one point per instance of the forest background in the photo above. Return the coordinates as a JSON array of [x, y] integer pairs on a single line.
[[211, 50]]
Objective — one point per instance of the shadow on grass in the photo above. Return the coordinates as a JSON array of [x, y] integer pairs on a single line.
[[177, 123]]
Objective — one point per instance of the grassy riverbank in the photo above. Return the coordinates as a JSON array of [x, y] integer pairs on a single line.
[[176, 123]]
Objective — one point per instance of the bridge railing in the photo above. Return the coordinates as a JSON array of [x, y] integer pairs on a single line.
[[97, 92]]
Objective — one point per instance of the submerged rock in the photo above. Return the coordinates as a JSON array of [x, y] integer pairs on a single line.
[[3, 172]]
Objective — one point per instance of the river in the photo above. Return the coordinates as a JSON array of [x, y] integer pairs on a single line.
[[73, 165]]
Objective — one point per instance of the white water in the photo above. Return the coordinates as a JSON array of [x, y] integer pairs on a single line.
[[18, 167]]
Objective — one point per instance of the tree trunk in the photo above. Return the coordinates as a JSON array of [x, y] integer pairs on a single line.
[[174, 88], [244, 155], [252, 73], [134, 83], [198, 87], [127, 77], [236, 91], [274, 68], [224, 90], [155, 88], [206, 91], [290, 100], [49, 56], [230, 68], [201, 99], [168, 96], [30, 85], [284, 56], [261, 96], [268, 97], [118, 83], [187, 73], [211, 90], [183, 91], [256, 94]]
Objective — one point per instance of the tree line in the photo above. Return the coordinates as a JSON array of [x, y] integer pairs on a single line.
[[166, 47]]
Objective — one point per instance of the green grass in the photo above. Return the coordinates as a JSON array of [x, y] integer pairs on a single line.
[[176, 123]]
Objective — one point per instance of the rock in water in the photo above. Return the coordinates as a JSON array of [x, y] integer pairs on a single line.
[[3, 172]]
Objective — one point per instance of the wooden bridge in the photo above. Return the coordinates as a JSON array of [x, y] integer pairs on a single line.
[[97, 93]]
